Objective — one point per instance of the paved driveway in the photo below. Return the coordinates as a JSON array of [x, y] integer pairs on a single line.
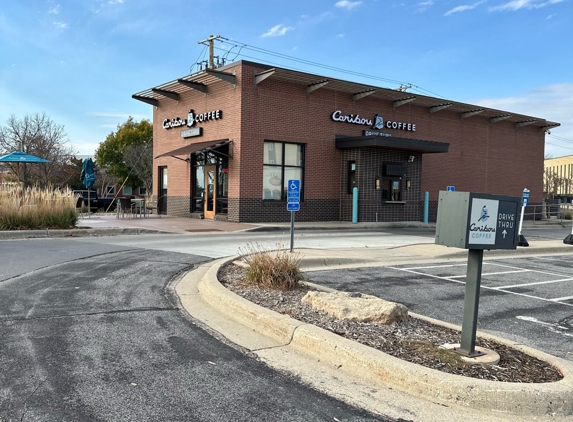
[[528, 300], [101, 339]]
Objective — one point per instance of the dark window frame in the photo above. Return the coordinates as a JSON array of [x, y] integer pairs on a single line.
[[283, 166]]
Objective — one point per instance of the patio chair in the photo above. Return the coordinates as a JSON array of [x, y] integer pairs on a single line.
[[125, 207], [152, 206]]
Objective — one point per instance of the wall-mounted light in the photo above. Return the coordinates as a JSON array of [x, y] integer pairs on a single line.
[[408, 185], [377, 183], [411, 159]]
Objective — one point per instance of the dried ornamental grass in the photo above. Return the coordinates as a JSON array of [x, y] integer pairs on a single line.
[[36, 208], [271, 269]]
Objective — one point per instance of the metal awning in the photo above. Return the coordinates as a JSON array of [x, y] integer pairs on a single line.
[[390, 142], [198, 147]]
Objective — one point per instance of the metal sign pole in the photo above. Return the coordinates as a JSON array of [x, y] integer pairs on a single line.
[[521, 241], [291, 230], [471, 303]]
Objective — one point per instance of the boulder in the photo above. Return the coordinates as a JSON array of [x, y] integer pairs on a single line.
[[356, 307]]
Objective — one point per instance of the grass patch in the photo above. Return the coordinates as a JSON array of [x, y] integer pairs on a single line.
[[271, 269], [444, 356], [35, 208]]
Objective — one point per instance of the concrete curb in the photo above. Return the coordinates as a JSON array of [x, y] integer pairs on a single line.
[[373, 366], [27, 234]]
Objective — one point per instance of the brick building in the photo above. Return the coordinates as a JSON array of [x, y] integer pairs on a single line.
[[227, 140]]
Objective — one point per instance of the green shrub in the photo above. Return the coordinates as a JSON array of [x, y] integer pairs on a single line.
[[34, 208], [567, 215], [271, 269]]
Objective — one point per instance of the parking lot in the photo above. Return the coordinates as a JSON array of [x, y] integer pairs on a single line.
[[527, 300]]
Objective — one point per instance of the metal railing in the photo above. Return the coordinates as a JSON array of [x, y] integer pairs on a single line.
[[549, 210]]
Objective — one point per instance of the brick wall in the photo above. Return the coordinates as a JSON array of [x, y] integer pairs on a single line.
[[492, 158]]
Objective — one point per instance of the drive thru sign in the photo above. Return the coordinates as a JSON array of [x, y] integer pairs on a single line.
[[475, 221]]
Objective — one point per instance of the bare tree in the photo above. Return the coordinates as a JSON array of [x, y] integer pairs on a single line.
[[139, 159], [38, 135], [554, 184]]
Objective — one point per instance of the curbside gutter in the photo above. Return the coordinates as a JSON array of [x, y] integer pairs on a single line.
[[373, 366], [112, 231]]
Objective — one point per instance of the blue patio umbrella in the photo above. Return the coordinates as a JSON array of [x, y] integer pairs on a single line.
[[88, 175], [21, 157]]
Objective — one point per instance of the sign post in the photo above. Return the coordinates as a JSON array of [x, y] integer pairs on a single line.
[[475, 222], [524, 201], [293, 205]]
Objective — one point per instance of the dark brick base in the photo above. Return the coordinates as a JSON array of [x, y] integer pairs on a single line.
[[259, 211], [372, 211]]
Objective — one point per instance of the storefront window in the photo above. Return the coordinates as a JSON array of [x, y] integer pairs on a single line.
[[277, 172], [198, 188], [391, 189]]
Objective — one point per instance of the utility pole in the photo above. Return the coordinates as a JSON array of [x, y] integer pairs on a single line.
[[210, 41]]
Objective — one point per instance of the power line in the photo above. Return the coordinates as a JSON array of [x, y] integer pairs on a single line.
[[558, 146], [315, 64], [560, 138]]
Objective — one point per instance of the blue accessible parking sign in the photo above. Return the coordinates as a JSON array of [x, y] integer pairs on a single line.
[[293, 195]]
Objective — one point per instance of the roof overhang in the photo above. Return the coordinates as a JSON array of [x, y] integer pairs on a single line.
[[202, 80], [390, 142], [198, 147]]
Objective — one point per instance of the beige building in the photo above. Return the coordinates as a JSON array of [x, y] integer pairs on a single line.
[[558, 177]]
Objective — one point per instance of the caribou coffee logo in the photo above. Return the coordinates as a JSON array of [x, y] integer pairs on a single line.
[[482, 225], [192, 119], [378, 123]]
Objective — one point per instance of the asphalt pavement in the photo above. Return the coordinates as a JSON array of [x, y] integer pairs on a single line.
[[326, 266]]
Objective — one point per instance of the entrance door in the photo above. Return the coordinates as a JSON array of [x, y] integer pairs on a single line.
[[210, 197], [162, 191]]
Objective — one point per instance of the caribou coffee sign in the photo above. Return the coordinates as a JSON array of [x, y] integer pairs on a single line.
[[192, 119], [376, 123]]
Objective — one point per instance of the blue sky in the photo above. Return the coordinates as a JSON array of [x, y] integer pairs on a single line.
[[80, 61]]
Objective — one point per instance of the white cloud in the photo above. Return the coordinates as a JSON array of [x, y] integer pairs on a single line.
[[423, 6], [464, 8], [553, 103], [276, 31], [60, 25], [115, 1], [348, 5], [340, 35], [54, 10], [523, 4]]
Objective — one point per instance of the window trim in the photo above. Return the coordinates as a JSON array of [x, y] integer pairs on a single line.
[[284, 166]]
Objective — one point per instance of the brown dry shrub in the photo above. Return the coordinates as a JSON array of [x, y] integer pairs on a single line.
[[271, 268]]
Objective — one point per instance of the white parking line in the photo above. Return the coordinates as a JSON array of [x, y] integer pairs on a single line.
[[437, 266], [559, 299], [533, 284], [533, 271], [501, 272], [487, 287]]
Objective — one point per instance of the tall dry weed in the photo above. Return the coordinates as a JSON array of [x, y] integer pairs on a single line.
[[36, 208], [271, 268]]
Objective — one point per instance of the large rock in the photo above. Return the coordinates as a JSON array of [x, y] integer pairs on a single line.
[[357, 307]]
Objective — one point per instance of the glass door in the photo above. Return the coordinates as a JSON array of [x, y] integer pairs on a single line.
[[210, 198], [162, 191]]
